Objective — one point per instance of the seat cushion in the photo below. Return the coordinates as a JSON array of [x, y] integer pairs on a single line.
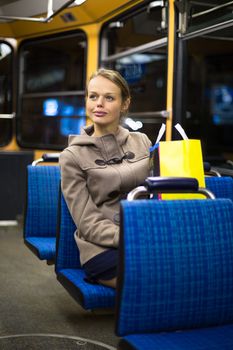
[[90, 296], [43, 247], [213, 338]]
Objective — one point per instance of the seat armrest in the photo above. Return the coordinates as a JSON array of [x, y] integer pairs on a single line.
[[154, 185], [171, 184], [47, 158]]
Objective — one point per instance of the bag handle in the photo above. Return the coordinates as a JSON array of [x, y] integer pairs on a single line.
[[178, 128], [181, 131]]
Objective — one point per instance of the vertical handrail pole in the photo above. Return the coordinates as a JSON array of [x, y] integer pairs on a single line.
[[50, 8], [170, 67]]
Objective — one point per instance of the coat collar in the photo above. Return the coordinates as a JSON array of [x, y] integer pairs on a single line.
[[120, 136]]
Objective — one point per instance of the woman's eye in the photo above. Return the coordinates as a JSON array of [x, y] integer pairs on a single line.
[[109, 98], [92, 97]]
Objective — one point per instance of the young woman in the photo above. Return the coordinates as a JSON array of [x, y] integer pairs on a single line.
[[98, 168]]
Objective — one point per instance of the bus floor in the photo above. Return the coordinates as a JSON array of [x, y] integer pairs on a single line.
[[35, 310]]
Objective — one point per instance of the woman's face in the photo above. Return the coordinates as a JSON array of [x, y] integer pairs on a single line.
[[104, 104]]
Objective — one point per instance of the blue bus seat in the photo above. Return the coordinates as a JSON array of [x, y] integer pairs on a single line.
[[69, 271], [222, 187], [175, 281], [40, 216]]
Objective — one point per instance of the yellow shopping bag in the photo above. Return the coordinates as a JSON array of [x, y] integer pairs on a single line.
[[181, 158]]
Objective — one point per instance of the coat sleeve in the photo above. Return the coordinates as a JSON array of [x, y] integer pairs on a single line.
[[92, 225]]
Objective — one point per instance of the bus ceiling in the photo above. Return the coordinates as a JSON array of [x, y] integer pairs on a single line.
[[54, 14]]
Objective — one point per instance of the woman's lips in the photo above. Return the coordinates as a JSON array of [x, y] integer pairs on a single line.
[[100, 114]]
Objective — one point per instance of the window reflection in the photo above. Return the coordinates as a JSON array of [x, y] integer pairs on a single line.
[[49, 121], [146, 76]]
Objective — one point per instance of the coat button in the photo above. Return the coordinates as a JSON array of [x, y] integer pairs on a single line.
[[100, 162], [116, 218]]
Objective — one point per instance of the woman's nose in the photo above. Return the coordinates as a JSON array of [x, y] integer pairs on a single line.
[[100, 101]]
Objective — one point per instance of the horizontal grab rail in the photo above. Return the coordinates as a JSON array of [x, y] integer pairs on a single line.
[[7, 116]]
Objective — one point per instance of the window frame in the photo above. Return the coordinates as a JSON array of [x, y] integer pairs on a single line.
[[8, 118]]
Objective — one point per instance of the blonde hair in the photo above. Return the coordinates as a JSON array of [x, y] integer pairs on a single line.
[[116, 78]]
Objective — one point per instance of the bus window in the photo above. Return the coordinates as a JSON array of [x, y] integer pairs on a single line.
[[51, 90], [143, 26], [6, 67], [205, 16], [135, 44], [208, 91], [210, 82]]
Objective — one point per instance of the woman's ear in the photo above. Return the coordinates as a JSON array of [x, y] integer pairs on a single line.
[[125, 106]]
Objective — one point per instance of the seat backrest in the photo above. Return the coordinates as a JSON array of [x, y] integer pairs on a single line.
[[67, 253], [176, 265], [40, 218], [222, 187]]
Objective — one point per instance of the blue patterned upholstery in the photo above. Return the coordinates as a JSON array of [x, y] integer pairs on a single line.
[[90, 296], [40, 220], [67, 251], [69, 271], [214, 338], [176, 267], [222, 187], [45, 247]]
